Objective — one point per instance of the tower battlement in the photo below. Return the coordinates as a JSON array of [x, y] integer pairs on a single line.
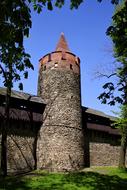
[[61, 58]]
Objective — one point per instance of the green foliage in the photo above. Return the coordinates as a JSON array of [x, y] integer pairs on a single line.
[[121, 121], [108, 96], [118, 33], [15, 22], [50, 4]]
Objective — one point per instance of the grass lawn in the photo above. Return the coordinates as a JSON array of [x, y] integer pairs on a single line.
[[99, 178]]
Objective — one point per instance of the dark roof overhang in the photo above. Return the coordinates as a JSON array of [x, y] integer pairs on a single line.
[[23, 101], [98, 121], [23, 106]]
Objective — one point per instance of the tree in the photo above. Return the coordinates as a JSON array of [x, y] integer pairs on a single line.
[[118, 34], [121, 124], [15, 22]]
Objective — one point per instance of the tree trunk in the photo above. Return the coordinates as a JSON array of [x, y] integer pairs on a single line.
[[122, 157], [4, 152], [5, 127], [122, 152]]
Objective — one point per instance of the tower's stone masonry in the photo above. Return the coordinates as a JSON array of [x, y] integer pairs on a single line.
[[60, 143]]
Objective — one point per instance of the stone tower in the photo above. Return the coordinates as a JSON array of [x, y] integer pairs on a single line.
[[60, 142]]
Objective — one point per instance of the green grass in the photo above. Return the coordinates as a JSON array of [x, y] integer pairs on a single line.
[[100, 178], [111, 171]]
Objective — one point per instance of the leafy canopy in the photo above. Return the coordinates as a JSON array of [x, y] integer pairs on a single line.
[[39, 4], [118, 33], [15, 22]]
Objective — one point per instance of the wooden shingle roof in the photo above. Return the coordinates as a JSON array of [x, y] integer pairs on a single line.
[[23, 106], [23, 101]]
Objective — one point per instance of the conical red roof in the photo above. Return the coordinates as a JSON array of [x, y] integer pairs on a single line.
[[62, 44]]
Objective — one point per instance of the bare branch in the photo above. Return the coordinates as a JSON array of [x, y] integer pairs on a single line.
[[100, 75]]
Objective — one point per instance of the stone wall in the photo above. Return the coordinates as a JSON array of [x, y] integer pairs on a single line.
[[60, 149], [21, 146], [60, 146], [20, 154], [104, 154], [104, 149]]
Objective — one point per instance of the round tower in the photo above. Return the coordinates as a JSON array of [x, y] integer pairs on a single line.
[[60, 142]]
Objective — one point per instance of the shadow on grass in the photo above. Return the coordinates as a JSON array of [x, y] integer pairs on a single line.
[[71, 181], [96, 181]]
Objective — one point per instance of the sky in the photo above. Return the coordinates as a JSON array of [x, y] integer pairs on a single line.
[[85, 32]]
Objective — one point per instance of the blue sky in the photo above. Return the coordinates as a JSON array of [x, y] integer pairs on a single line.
[[84, 30]]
